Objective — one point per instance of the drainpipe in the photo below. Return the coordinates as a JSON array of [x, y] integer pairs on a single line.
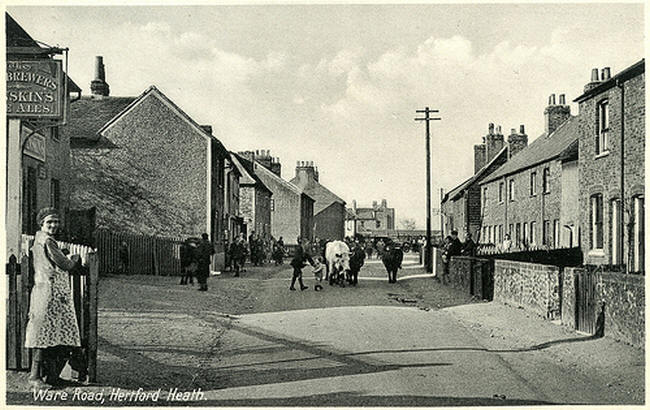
[[621, 86]]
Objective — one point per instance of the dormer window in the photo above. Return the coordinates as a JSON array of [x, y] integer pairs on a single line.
[[602, 127]]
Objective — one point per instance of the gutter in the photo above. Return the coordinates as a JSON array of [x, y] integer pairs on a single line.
[[620, 83]]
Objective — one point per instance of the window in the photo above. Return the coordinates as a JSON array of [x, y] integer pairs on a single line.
[[518, 233], [546, 180], [55, 193], [378, 224], [533, 227], [500, 238], [596, 222], [29, 201], [524, 234], [484, 196], [484, 235], [272, 205], [602, 127], [546, 228], [511, 190], [556, 233], [533, 183], [615, 230], [639, 232], [510, 231], [500, 191]]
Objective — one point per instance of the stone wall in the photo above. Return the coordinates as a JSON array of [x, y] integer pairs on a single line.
[[534, 287], [460, 273], [624, 297], [471, 275]]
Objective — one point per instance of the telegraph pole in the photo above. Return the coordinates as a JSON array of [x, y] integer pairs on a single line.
[[427, 252]]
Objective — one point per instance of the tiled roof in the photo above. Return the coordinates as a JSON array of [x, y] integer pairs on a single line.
[[323, 197], [543, 149], [632, 71], [481, 173], [88, 115], [266, 173], [250, 173]]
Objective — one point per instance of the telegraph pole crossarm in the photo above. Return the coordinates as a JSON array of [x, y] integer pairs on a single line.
[[428, 249]]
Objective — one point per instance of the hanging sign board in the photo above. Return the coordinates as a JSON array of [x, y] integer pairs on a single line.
[[35, 145], [35, 89]]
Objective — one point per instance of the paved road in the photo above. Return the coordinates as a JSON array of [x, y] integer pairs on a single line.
[[250, 341]]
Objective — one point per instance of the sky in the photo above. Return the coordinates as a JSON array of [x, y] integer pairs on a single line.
[[339, 84]]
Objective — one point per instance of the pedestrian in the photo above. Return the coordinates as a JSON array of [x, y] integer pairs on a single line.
[[298, 262], [469, 246], [507, 243], [369, 249], [124, 258], [52, 328], [236, 252], [380, 248], [456, 245], [319, 267], [204, 251], [188, 261]]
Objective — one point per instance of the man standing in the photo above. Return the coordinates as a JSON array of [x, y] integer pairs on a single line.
[[298, 261], [205, 252], [469, 247]]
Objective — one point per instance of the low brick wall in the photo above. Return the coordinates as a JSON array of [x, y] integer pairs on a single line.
[[532, 286], [471, 275], [624, 297]]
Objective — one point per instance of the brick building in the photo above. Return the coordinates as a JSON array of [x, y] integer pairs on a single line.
[[375, 221], [461, 207], [45, 159], [329, 209], [292, 210], [254, 196], [233, 222], [523, 198], [145, 165], [611, 167]]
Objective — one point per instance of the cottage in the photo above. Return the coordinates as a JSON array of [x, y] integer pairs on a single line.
[[524, 197], [254, 197], [461, 207], [329, 209], [611, 167]]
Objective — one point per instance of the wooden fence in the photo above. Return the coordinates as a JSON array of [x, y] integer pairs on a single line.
[[147, 255], [20, 277]]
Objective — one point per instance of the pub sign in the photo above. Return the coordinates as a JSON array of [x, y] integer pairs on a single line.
[[35, 89]]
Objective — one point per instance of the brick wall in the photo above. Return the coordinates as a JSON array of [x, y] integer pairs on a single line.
[[145, 184], [329, 223], [624, 297], [602, 174], [534, 287]]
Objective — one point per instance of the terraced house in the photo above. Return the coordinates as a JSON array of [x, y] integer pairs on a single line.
[[612, 166], [528, 197]]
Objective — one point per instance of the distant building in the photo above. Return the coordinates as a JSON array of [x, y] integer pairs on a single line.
[[233, 221], [329, 209], [292, 210], [145, 165], [611, 166], [375, 221], [524, 197], [254, 197], [461, 207]]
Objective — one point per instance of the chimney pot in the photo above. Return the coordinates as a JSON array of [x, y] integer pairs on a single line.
[[562, 99], [513, 131], [606, 73], [297, 163], [498, 129], [491, 128], [98, 87], [594, 75], [551, 99], [99, 68], [522, 129]]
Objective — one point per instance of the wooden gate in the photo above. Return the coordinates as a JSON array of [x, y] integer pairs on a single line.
[[586, 304], [84, 292]]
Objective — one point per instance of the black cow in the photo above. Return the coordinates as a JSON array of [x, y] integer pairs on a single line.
[[356, 262], [392, 260]]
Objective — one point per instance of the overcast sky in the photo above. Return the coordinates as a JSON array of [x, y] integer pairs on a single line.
[[339, 84]]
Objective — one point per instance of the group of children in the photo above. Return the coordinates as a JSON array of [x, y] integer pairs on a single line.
[[300, 260]]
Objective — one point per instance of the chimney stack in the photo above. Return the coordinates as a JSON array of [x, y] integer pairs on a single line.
[[605, 74], [99, 87], [516, 142], [493, 144], [555, 115], [594, 80], [306, 173], [522, 129], [354, 204]]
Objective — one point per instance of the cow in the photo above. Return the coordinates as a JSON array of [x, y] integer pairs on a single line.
[[392, 260], [356, 262], [337, 257]]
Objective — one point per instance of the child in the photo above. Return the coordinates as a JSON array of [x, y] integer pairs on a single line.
[[318, 272]]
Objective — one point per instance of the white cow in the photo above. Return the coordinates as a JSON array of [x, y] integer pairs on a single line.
[[337, 256]]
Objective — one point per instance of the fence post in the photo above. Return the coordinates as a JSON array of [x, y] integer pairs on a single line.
[[26, 269], [91, 284]]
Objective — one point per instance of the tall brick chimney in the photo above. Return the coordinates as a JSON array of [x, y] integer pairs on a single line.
[[517, 142], [555, 114], [276, 167], [264, 158], [479, 155], [493, 143], [99, 87], [306, 172]]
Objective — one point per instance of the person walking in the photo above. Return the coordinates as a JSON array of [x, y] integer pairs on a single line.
[[380, 248], [52, 323], [205, 251], [297, 263], [124, 258]]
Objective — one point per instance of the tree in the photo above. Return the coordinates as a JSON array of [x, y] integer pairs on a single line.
[[408, 224]]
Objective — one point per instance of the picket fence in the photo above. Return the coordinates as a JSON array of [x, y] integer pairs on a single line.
[[20, 278], [148, 255]]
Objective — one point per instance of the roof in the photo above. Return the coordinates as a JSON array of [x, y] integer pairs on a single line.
[[544, 148], [365, 213], [458, 191], [16, 35], [571, 152], [262, 171], [632, 71], [88, 115], [323, 197], [246, 168]]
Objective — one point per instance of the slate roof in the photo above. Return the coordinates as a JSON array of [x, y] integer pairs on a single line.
[[543, 149], [89, 115], [632, 71], [266, 173], [250, 173], [323, 197], [456, 192], [16, 35]]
